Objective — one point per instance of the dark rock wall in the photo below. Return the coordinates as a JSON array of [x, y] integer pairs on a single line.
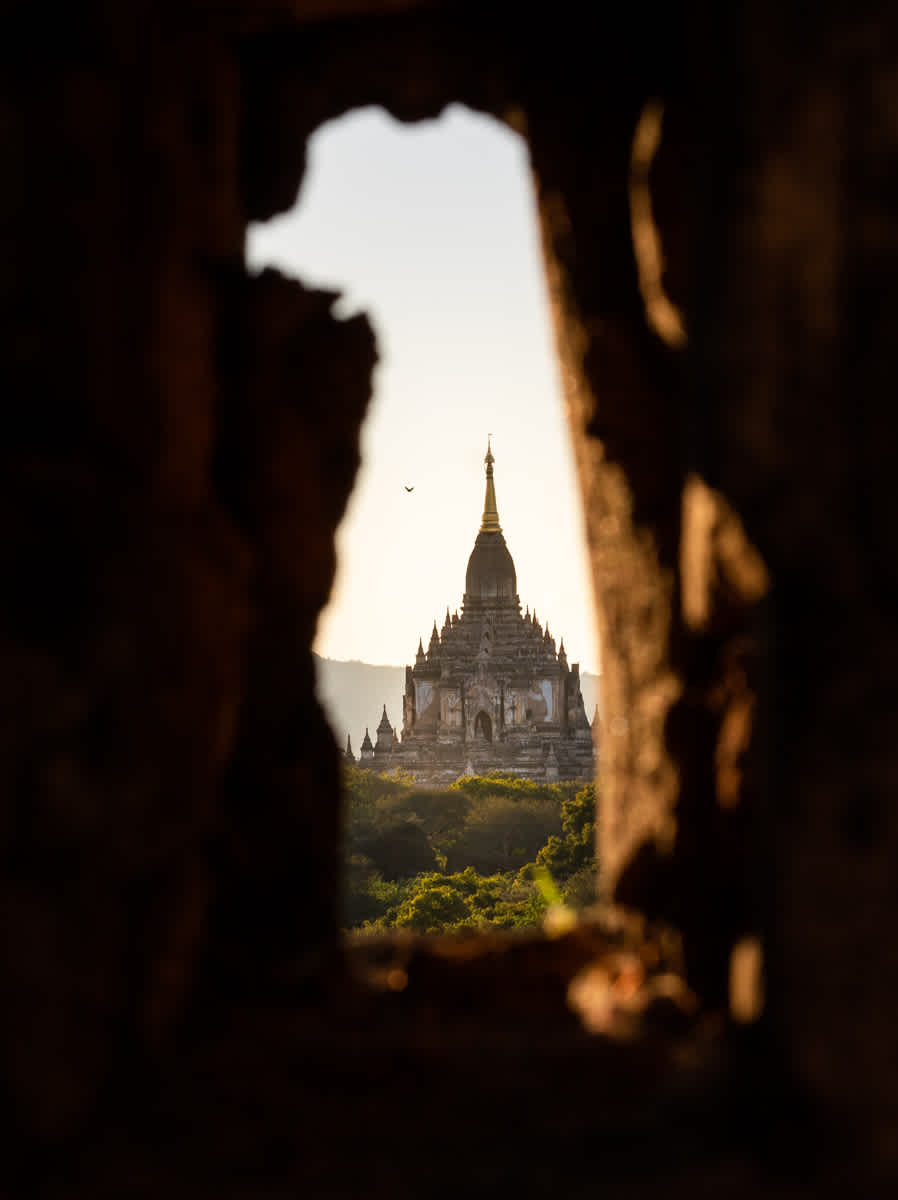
[[179, 444], [804, 348]]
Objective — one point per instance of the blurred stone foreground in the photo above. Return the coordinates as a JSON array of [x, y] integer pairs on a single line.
[[177, 1018]]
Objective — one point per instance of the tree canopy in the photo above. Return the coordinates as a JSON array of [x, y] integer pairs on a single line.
[[467, 857]]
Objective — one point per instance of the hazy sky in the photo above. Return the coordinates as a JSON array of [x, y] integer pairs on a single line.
[[431, 230]]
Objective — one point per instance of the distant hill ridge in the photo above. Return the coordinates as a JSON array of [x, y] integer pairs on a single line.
[[353, 695]]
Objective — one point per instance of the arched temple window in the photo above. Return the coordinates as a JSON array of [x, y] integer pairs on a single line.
[[483, 726]]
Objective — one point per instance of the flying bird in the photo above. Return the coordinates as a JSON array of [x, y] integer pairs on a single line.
[[407, 488]]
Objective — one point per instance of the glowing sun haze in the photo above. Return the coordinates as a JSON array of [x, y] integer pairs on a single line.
[[431, 230]]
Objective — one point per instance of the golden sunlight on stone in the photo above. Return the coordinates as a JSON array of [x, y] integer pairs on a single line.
[[663, 316]]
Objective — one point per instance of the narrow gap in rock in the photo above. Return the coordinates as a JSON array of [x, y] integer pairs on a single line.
[[460, 636]]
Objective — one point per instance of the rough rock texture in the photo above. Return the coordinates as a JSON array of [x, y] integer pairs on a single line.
[[178, 445]]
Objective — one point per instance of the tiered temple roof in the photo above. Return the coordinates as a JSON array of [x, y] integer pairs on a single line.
[[490, 692]]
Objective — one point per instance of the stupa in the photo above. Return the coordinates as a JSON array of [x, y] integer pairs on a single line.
[[490, 692]]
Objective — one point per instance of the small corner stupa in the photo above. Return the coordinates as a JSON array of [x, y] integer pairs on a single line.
[[490, 692]]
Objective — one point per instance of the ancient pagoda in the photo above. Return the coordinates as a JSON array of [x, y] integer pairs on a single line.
[[490, 692]]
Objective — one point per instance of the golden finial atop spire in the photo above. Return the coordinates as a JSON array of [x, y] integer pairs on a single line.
[[490, 522]]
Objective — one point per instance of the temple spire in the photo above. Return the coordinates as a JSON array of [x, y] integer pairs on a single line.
[[490, 522]]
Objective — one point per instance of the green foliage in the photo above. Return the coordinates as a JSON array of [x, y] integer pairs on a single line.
[[476, 855], [440, 815], [579, 889], [368, 897], [545, 884], [574, 851], [398, 849], [438, 902], [466, 900], [363, 790], [501, 833], [500, 783]]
